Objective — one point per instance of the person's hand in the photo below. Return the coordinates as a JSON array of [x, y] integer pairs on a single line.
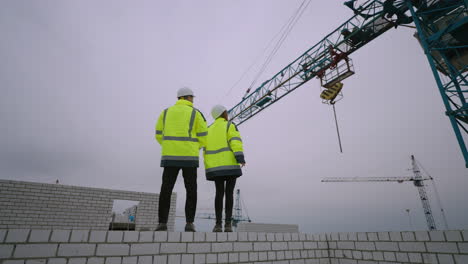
[[243, 164]]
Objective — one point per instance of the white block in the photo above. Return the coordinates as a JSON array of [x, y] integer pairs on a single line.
[[287, 236], [174, 237], [144, 249], [302, 237], [232, 236], [378, 255], [430, 258], [199, 236], [78, 261], [263, 246], [173, 248], [131, 236], [463, 247], [395, 236], [343, 236], [323, 245], [129, 260], [445, 259], [211, 258], [362, 236], [311, 245], [112, 250], [408, 236], [243, 246], [160, 236], [415, 257], [288, 254], [74, 250], [243, 257], [114, 236], [411, 247], [294, 236], [345, 245], [174, 259], [6, 251], [13, 262], [459, 259], [270, 237], [37, 261], [58, 261], [233, 257], [199, 259], [187, 237], [437, 235], [211, 237], [221, 247], [279, 237], [253, 256], [187, 259], [388, 246], [422, 236], [97, 236], [372, 236], [223, 258], [465, 235], [198, 247], [367, 255], [281, 245], [262, 256], [79, 236], [441, 247], [146, 236], [453, 236], [35, 250], [402, 257], [294, 245], [17, 235], [384, 236], [146, 260], [252, 236], [39, 236], [2, 235], [221, 237], [365, 246], [389, 256], [160, 259], [95, 260], [357, 255]]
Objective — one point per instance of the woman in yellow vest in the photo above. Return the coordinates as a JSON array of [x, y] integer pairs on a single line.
[[224, 158]]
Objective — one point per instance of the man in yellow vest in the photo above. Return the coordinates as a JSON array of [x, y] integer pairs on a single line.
[[181, 131], [223, 154]]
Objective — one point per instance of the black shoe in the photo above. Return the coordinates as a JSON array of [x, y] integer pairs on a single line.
[[227, 227], [161, 227], [218, 228], [189, 227]]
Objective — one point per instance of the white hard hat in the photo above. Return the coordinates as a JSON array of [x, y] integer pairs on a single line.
[[184, 91], [217, 110]]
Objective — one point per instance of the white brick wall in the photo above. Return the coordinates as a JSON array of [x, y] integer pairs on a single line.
[[146, 247], [45, 206]]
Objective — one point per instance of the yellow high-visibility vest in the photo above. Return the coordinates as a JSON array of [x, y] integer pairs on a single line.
[[181, 131], [223, 151]]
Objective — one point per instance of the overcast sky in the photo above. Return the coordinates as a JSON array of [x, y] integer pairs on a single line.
[[83, 82]]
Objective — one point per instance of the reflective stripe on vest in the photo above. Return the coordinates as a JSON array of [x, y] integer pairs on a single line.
[[158, 132], [202, 134], [230, 167], [217, 151], [180, 138], [178, 158]]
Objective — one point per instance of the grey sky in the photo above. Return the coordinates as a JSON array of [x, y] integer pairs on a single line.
[[83, 83]]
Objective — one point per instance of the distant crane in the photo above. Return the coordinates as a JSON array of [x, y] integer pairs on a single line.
[[417, 180]]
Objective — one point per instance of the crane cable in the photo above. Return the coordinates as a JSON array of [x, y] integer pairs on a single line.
[[284, 31], [337, 128], [297, 15]]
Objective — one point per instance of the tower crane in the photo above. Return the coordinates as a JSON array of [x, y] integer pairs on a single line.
[[417, 180], [442, 30]]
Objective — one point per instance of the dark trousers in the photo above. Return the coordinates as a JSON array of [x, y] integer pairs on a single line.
[[224, 187], [168, 181]]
